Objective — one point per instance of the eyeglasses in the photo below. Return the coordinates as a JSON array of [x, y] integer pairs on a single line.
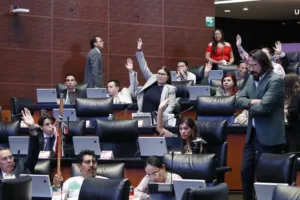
[[7, 158], [161, 74], [154, 174], [252, 66]]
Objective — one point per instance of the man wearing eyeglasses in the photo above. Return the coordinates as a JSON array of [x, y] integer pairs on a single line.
[[11, 169], [87, 165], [263, 96]]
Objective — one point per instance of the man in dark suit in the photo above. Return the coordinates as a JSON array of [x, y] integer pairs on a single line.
[[71, 93], [11, 169], [263, 96], [93, 74]]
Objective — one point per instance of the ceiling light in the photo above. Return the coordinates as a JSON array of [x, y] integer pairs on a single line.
[[227, 11], [233, 1], [298, 22], [245, 9], [283, 23]]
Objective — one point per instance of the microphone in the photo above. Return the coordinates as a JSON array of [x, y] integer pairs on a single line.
[[171, 184], [123, 110], [190, 108], [17, 166]]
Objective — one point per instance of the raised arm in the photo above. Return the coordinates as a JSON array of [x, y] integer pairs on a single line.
[[132, 77], [244, 55], [160, 123], [141, 60]]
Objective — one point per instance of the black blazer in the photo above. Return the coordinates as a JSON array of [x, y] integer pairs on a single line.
[[294, 110], [285, 62], [27, 165]]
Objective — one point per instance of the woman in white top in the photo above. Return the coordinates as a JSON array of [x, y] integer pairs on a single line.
[[156, 173]]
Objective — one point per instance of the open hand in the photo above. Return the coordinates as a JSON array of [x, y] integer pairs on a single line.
[[27, 118], [207, 69], [129, 64], [163, 103], [278, 48], [238, 41], [139, 44], [57, 179]]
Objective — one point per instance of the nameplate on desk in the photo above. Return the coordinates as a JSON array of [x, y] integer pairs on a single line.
[[175, 152], [59, 196], [140, 123], [107, 155], [44, 154]]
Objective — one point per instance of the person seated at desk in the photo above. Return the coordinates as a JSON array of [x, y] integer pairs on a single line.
[[87, 165], [71, 93], [123, 97], [242, 74], [156, 173], [9, 168], [182, 72], [187, 129], [157, 88]]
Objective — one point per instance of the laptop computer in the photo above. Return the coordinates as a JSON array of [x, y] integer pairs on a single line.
[[152, 146], [173, 75], [46, 95], [181, 185], [18, 144], [264, 191], [96, 93], [41, 186], [86, 142], [215, 74], [158, 191], [175, 144], [144, 119], [195, 91], [68, 113]]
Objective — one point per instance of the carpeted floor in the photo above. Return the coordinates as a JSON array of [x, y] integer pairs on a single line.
[[235, 196]]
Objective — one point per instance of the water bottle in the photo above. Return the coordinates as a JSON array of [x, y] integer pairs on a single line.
[[111, 117]]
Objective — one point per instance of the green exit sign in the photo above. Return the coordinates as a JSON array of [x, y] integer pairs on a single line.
[[210, 21]]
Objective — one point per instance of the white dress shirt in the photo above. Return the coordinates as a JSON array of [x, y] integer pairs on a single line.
[[8, 175]]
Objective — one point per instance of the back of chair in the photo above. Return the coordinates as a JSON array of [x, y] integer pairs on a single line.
[[283, 165], [118, 136], [111, 171], [60, 87], [76, 128], [227, 69], [293, 68], [215, 83], [105, 189], [286, 193], [17, 105], [193, 166], [199, 72], [218, 192], [93, 108], [8, 129], [182, 88], [293, 56], [16, 189], [216, 108]]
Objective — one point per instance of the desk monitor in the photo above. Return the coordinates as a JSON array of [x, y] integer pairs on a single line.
[[199, 90], [264, 191], [181, 185], [143, 119], [86, 142], [41, 186], [46, 96], [215, 74], [96, 93], [18, 144], [152, 146], [68, 113], [173, 76]]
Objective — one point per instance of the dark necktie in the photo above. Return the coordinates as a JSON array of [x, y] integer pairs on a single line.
[[48, 145]]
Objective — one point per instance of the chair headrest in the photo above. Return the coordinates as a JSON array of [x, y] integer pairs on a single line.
[[93, 107], [215, 106], [181, 88], [9, 129], [227, 68], [293, 56], [215, 83], [213, 132], [192, 166], [117, 130], [286, 192], [18, 104], [279, 164]]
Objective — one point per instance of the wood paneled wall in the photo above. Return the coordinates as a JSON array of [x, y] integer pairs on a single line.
[[39, 48]]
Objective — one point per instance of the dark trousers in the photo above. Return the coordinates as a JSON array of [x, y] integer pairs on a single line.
[[252, 151]]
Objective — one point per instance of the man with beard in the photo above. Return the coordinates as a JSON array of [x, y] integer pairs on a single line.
[[263, 96], [87, 165]]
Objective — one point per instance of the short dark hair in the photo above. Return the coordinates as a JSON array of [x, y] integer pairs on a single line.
[[168, 72], [154, 161], [262, 59], [184, 61], [84, 153], [44, 117], [2, 148], [92, 41], [70, 75], [117, 83]]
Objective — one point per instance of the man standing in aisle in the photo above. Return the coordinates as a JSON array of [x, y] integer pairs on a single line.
[[263, 96], [93, 74]]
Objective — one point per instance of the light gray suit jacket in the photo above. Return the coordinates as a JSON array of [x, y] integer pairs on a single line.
[[93, 74], [169, 91], [269, 114]]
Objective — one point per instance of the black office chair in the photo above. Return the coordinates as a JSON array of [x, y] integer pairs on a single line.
[[8, 129], [16, 189], [17, 105], [218, 192], [111, 171], [104, 189], [216, 108], [227, 69], [193, 166], [60, 87], [293, 68], [199, 72], [282, 192], [293, 56], [119, 136], [276, 168], [214, 133], [182, 89]]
